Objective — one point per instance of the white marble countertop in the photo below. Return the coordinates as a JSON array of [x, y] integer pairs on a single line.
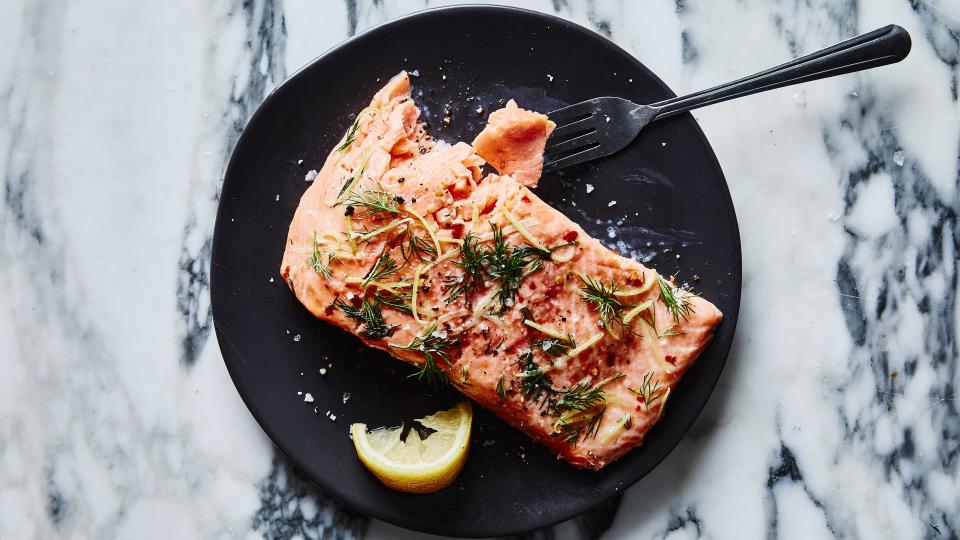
[[838, 412]]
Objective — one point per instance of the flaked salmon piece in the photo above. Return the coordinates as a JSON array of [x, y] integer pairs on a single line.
[[513, 142], [476, 280]]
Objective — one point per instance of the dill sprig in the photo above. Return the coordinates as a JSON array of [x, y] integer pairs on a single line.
[[583, 429], [399, 301], [534, 381], [414, 245], [501, 391], [582, 396], [603, 298], [316, 260], [370, 316], [375, 201], [471, 261], [384, 266], [351, 134], [650, 390], [676, 300], [555, 347], [508, 265], [433, 344]]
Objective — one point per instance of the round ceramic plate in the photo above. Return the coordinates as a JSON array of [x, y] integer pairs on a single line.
[[663, 200]]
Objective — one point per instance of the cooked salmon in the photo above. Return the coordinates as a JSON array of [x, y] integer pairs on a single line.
[[476, 282]]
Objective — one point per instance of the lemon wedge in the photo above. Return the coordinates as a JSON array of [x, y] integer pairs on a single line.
[[417, 465]]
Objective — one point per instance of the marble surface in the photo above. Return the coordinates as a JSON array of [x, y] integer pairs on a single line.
[[838, 412]]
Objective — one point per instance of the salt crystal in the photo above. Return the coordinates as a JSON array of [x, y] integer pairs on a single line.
[[296, 337], [277, 198], [308, 398], [323, 371], [299, 393], [271, 280], [899, 158], [589, 188], [444, 77], [415, 73], [550, 77], [346, 397], [310, 176], [663, 144], [611, 232], [332, 417], [630, 80], [608, 118], [299, 162], [611, 203]]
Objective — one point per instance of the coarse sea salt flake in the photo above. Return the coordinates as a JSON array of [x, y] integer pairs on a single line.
[[589, 188], [310, 176], [550, 77], [323, 371], [346, 397], [296, 337], [611, 203], [308, 397]]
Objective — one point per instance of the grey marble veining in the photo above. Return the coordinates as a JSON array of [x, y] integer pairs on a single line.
[[838, 414]]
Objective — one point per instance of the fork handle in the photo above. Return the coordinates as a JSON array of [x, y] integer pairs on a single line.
[[880, 47]]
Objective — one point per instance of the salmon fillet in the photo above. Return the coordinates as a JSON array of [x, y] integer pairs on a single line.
[[474, 280]]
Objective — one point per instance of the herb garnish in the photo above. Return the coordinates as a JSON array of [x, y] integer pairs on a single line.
[[370, 316], [555, 347], [576, 404], [677, 300], [508, 265], [501, 391], [399, 301], [433, 344], [414, 245], [535, 383], [384, 266], [375, 201], [603, 299], [471, 261], [351, 134], [316, 260], [650, 390]]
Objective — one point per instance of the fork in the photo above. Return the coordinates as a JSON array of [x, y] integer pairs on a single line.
[[601, 126]]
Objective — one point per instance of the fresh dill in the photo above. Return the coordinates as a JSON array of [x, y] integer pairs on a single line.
[[582, 396], [344, 187], [351, 135], [384, 266], [370, 316], [555, 347], [535, 384], [375, 201], [433, 344], [399, 301], [416, 246], [508, 265], [471, 261], [677, 300], [604, 300], [316, 260], [650, 390], [501, 391], [584, 428]]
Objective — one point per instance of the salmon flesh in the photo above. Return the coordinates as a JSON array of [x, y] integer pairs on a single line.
[[471, 278]]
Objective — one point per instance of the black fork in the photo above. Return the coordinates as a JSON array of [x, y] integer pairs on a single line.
[[601, 126]]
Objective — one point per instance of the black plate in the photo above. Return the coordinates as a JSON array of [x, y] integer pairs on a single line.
[[672, 210]]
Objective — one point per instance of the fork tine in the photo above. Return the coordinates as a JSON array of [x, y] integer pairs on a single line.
[[572, 128], [587, 139], [572, 113], [580, 157]]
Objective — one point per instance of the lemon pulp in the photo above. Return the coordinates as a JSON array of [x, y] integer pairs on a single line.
[[417, 465]]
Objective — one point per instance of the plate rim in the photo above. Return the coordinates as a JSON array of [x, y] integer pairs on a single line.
[[224, 342]]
